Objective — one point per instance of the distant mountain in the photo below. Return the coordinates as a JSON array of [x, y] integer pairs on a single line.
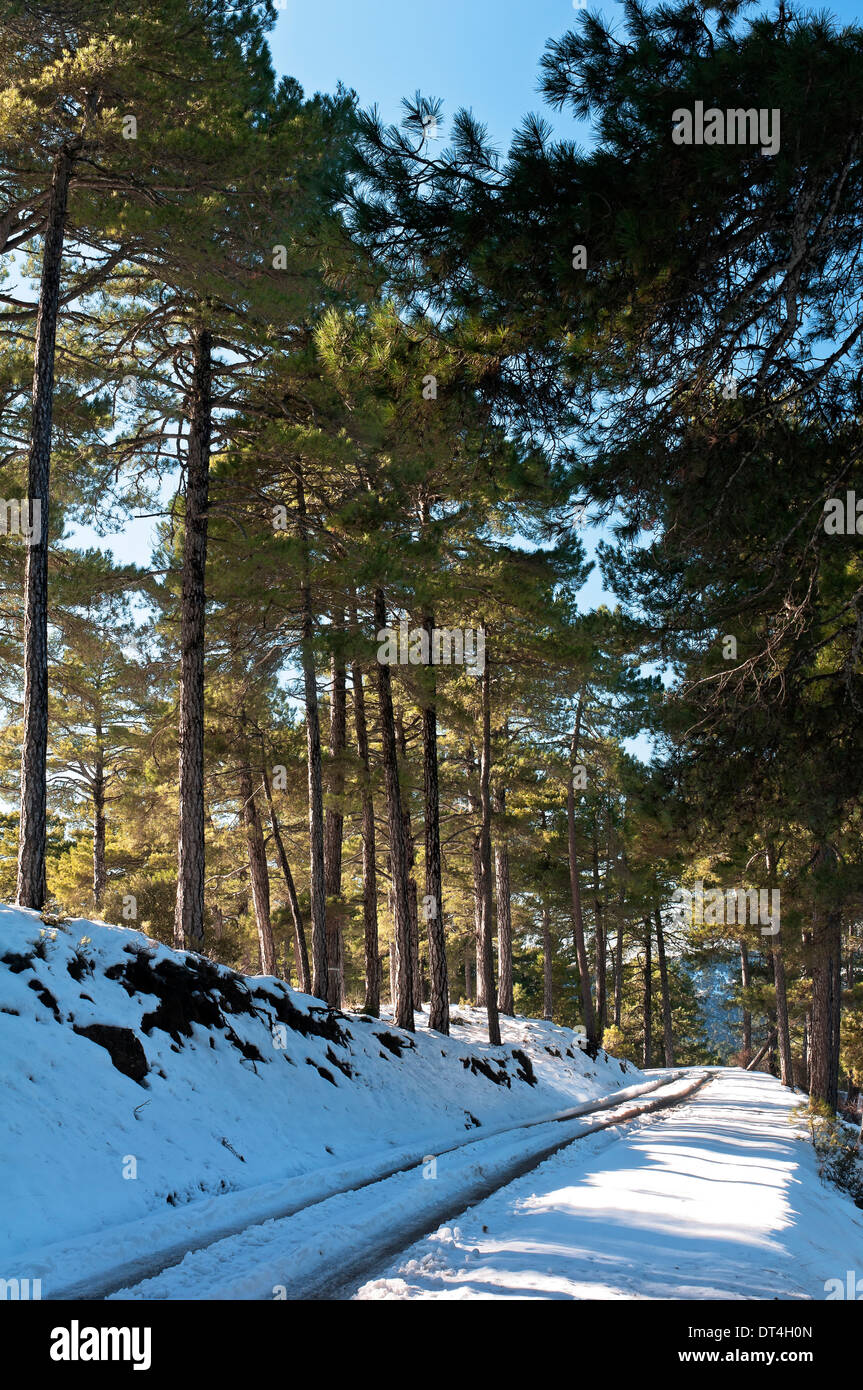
[[715, 984]]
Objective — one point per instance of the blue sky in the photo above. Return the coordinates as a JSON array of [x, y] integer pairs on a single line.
[[483, 54]]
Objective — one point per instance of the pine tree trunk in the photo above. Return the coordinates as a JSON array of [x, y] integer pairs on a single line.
[[648, 996], [189, 909], [575, 890], [320, 975], [762, 1051], [667, 1030], [439, 983], [783, 1026], [747, 1016], [100, 874], [618, 976], [411, 856], [826, 948], [476, 865], [32, 832], [372, 1003], [547, 964], [476, 860], [301, 954], [601, 948], [334, 829], [468, 961], [258, 872], [786, 1061], [505, 995], [485, 860], [618, 958], [404, 1012], [505, 999], [836, 1002], [413, 914]]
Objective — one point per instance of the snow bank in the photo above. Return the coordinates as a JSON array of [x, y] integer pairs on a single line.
[[139, 1081]]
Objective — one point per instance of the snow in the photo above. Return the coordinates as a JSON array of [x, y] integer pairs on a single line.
[[314, 1252], [102, 1176], [717, 1199], [235, 1139]]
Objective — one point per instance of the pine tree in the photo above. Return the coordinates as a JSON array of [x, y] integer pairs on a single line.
[[79, 65]]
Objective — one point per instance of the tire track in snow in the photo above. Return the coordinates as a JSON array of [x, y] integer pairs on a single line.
[[254, 1207], [360, 1229], [342, 1289]]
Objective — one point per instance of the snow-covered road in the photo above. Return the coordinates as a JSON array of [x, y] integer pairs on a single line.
[[316, 1250], [718, 1198]]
